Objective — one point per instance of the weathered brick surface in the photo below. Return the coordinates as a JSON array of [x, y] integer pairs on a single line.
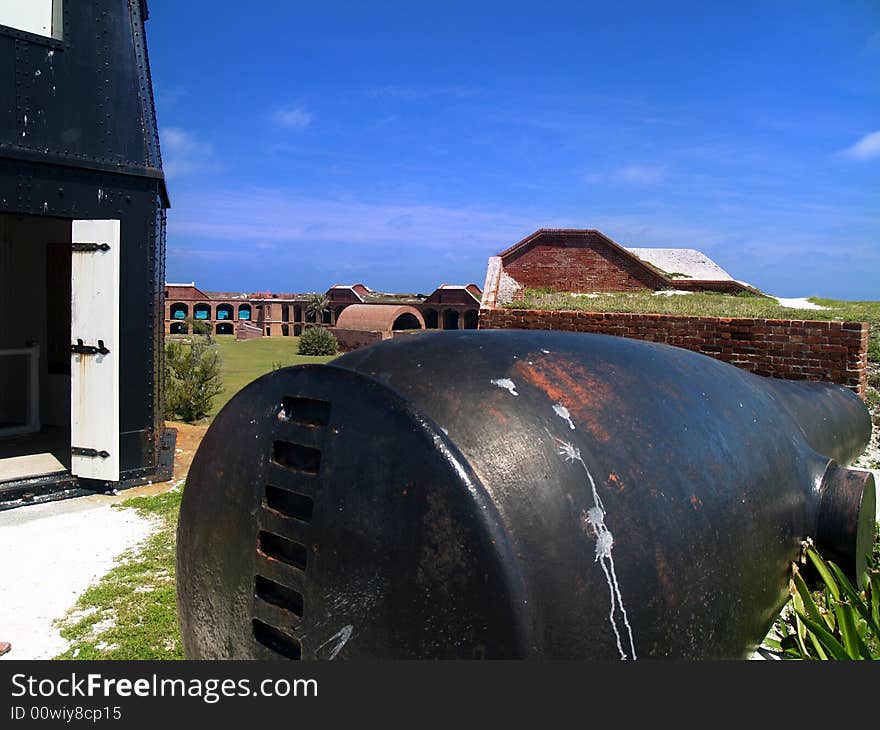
[[781, 348], [353, 339], [579, 263]]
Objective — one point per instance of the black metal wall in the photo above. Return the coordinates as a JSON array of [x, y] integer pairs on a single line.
[[78, 140]]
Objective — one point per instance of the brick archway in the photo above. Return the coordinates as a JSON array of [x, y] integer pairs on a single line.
[[380, 318]]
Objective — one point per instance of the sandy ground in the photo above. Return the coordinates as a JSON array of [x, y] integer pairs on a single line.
[[797, 303], [52, 552]]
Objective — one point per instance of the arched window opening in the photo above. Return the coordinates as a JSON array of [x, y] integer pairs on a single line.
[[202, 311], [224, 311], [406, 321]]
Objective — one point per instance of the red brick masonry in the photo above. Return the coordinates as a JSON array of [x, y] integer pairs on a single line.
[[783, 348]]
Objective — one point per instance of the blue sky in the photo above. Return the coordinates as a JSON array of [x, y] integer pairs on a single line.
[[402, 144]]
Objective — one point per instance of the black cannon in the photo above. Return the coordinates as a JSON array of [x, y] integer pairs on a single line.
[[513, 494]]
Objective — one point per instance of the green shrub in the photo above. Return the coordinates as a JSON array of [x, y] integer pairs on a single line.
[[317, 341], [193, 378], [838, 622]]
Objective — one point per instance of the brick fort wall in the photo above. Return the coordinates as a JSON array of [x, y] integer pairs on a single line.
[[782, 348]]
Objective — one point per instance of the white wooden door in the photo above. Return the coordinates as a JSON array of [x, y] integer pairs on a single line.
[[34, 16], [94, 371]]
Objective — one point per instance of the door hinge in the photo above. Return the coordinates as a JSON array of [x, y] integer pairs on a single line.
[[89, 247], [80, 349], [80, 451]]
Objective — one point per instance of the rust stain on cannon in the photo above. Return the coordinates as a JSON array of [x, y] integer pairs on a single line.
[[666, 581], [616, 481], [583, 393]]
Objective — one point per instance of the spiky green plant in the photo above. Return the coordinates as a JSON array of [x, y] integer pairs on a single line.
[[837, 622]]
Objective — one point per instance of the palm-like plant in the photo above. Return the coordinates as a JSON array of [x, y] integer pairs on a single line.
[[318, 304]]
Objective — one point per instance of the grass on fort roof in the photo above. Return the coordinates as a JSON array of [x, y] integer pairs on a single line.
[[707, 304]]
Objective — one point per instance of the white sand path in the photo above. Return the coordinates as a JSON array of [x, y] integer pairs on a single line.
[[49, 554]]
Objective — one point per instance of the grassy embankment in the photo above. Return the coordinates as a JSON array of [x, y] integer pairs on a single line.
[[131, 613]]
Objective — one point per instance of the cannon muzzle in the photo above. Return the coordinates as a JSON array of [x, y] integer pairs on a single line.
[[507, 494]]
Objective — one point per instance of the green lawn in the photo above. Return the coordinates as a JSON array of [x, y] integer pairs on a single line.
[[246, 361]]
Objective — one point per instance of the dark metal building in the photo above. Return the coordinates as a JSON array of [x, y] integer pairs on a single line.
[[82, 244]]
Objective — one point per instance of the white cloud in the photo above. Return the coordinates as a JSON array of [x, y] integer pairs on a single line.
[[637, 174], [183, 153], [642, 174], [278, 216], [293, 117], [866, 148], [408, 93]]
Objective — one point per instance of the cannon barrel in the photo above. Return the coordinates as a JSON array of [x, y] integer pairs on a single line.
[[507, 494]]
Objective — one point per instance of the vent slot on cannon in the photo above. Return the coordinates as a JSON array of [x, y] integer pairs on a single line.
[[296, 457], [290, 504], [279, 595], [277, 641], [305, 411], [280, 548]]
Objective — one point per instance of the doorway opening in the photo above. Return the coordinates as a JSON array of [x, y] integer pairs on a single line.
[[35, 341]]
